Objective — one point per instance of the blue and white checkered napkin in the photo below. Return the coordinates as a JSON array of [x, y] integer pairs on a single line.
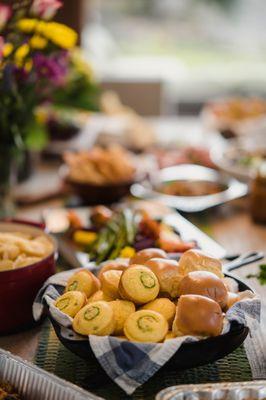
[[131, 364]]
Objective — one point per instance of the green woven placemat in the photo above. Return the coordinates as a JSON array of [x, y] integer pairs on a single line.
[[54, 357]]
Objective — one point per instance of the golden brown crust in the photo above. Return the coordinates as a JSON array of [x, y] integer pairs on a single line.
[[110, 283], [146, 326], [196, 260], [112, 265], [138, 284], [122, 310], [71, 302], [167, 272], [96, 318], [144, 255], [198, 315], [205, 284], [83, 281], [163, 306], [98, 296]]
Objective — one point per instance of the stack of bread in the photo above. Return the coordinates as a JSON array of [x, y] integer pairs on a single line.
[[150, 298]]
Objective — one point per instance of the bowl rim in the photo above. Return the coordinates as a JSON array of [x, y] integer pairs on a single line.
[[33, 229]]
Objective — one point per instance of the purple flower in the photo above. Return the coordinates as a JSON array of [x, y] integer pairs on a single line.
[[52, 68]]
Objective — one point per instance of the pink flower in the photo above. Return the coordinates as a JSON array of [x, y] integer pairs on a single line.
[[45, 9], [5, 14]]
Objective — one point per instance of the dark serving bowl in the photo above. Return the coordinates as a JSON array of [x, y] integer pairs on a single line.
[[188, 356], [92, 194], [19, 287]]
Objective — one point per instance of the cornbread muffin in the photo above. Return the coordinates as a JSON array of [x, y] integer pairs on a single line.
[[99, 295], [83, 281], [122, 310], [112, 265], [163, 306], [110, 282], [138, 284], [146, 326], [95, 319], [71, 302], [198, 315]]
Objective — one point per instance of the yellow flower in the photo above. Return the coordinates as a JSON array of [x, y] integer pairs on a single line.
[[38, 42], [61, 35], [84, 238], [81, 65], [7, 49], [28, 65], [127, 252], [27, 25], [21, 53]]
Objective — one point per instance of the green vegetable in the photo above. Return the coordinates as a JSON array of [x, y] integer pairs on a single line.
[[118, 233], [261, 276]]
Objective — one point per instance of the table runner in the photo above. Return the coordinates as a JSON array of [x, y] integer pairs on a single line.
[[54, 357]]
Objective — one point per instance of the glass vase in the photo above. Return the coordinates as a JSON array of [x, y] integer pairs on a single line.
[[10, 158]]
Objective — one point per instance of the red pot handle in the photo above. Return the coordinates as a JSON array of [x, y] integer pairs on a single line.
[[35, 224]]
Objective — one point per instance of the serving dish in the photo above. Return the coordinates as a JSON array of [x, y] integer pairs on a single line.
[[58, 221], [189, 173], [18, 287], [226, 390], [34, 383], [241, 159], [189, 355]]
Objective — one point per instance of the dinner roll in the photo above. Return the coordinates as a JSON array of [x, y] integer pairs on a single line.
[[99, 295], [198, 315], [206, 284], [196, 260], [163, 306], [146, 326], [112, 265], [71, 302], [83, 281], [95, 319], [144, 255], [122, 310], [232, 298], [110, 282], [138, 284], [167, 272]]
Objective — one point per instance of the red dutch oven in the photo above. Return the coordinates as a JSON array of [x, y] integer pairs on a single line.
[[19, 287]]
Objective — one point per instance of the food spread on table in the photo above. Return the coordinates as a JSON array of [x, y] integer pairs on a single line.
[[7, 392], [191, 188], [101, 166], [120, 233], [150, 298], [19, 249]]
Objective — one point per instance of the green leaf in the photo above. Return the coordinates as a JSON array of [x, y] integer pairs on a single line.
[[36, 136]]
